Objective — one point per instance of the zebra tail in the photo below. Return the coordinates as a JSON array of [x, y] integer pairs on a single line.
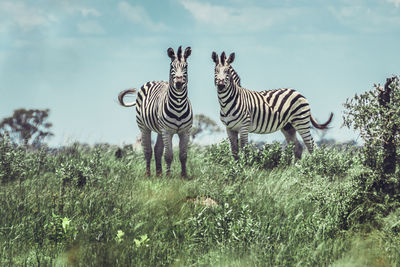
[[123, 94], [322, 126]]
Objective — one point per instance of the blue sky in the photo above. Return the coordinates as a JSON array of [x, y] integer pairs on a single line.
[[75, 56]]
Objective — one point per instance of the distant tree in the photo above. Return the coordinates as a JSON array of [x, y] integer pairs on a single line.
[[203, 125], [27, 127]]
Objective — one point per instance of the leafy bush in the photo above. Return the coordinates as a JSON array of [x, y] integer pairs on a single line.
[[376, 115], [328, 162]]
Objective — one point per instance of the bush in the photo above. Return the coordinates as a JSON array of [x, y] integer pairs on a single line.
[[376, 115], [328, 162]]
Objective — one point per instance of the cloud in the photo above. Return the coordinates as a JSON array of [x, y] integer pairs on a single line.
[[89, 12], [248, 18], [138, 15], [395, 2], [365, 19], [24, 17], [85, 12], [90, 27]]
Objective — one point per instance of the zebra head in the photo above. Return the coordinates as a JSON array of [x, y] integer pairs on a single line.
[[178, 76], [223, 70]]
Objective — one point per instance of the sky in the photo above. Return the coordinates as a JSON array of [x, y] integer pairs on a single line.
[[74, 57]]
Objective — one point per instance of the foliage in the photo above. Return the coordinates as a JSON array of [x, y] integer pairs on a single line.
[[203, 124], [376, 120], [268, 210], [27, 126]]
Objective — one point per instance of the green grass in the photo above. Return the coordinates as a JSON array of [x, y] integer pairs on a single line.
[[84, 207]]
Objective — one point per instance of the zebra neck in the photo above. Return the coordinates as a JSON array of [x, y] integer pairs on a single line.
[[227, 97], [176, 96]]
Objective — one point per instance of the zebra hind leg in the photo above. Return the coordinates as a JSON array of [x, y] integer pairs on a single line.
[[183, 147], [167, 140], [305, 133], [158, 152], [290, 134], [146, 144]]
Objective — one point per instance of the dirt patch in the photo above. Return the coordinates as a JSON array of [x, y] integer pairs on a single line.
[[203, 201]]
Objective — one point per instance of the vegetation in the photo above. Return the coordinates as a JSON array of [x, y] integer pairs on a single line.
[[84, 206], [376, 115], [203, 125], [27, 127]]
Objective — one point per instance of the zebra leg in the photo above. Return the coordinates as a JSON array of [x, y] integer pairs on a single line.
[[233, 138], [290, 134], [244, 137], [167, 139], [158, 151], [146, 144], [183, 147], [305, 133]]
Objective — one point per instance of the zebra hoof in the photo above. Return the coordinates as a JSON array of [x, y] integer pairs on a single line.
[[159, 173]]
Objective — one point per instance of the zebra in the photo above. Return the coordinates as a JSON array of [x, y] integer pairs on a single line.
[[243, 111], [164, 107]]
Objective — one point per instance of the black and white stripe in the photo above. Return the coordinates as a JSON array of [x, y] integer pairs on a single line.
[[244, 111], [164, 107]]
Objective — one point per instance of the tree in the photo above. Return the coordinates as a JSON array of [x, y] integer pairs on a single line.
[[376, 114], [203, 124], [27, 127]]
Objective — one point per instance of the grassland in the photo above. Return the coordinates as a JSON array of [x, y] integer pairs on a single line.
[[83, 206]]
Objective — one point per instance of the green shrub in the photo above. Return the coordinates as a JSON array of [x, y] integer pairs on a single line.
[[328, 162], [376, 115]]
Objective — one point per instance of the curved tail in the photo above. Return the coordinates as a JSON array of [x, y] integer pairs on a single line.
[[123, 94], [322, 126]]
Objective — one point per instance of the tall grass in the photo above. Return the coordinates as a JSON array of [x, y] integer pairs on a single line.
[[83, 206]]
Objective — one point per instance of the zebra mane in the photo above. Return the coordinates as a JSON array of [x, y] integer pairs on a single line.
[[235, 76]]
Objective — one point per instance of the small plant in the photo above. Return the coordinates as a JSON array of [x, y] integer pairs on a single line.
[[142, 241], [120, 236], [60, 229]]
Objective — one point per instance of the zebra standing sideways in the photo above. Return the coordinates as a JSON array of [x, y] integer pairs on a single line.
[[163, 107], [244, 111]]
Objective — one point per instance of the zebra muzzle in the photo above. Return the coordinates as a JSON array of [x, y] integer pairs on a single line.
[[178, 85], [221, 86]]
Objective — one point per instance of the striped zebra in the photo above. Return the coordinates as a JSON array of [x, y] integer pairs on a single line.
[[244, 111], [164, 107]]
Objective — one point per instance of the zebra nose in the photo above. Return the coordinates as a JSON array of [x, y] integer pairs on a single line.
[[220, 86], [178, 85]]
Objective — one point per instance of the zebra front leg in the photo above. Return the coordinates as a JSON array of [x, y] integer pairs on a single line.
[[244, 137], [233, 138], [183, 147], [167, 139], [146, 144], [158, 151]]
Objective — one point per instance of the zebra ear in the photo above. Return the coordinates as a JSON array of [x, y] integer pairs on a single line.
[[214, 57], [188, 52], [231, 58], [179, 53], [171, 53], [223, 58]]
